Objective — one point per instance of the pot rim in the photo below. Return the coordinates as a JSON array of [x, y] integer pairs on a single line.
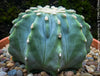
[[5, 41]]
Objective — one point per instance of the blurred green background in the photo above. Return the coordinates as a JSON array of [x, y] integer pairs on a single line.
[[9, 10]]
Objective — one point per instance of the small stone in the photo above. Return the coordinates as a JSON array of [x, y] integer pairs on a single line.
[[92, 63], [17, 64], [99, 60], [91, 52], [90, 58], [4, 54], [93, 48], [69, 73], [12, 72], [7, 59], [30, 74], [4, 69], [95, 57], [24, 70], [96, 51], [1, 56], [96, 73], [18, 68], [78, 74], [19, 73], [11, 68], [22, 66], [10, 64], [4, 61], [89, 69], [4, 50], [8, 56], [4, 58], [99, 53], [88, 55], [7, 62], [83, 70], [1, 52], [86, 74], [96, 54], [44, 73], [2, 73], [98, 68], [96, 61], [2, 64], [92, 66], [84, 63], [80, 69], [11, 58]]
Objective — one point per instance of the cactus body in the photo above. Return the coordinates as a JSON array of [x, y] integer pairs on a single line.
[[50, 39]]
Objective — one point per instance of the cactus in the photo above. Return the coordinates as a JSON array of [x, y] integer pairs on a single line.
[[50, 39]]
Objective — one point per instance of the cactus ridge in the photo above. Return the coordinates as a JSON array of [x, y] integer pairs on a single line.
[[50, 39]]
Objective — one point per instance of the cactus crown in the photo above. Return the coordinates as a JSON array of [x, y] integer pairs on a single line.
[[50, 39]]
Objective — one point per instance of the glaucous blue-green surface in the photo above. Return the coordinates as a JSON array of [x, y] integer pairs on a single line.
[[50, 39]]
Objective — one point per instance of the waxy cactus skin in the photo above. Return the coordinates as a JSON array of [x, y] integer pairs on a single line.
[[50, 39]]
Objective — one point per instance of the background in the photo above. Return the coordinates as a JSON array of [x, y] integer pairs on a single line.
[[9, 10]]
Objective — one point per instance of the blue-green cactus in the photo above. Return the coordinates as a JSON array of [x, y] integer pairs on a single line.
[[50, 39]]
